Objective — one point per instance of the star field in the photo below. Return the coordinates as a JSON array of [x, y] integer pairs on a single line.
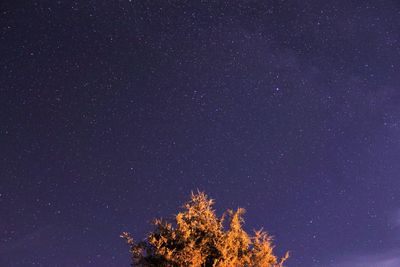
[[111, 112]]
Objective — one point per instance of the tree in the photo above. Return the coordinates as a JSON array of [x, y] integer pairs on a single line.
[[198, 238]]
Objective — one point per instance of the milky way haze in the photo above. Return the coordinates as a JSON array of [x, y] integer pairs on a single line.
[[111, 112]]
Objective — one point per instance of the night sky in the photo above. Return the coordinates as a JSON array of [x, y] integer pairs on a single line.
[[111, 112]]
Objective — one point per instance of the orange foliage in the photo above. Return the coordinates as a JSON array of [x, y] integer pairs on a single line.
[[199, 239]]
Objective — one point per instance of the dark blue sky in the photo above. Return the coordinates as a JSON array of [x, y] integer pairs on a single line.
[[111, 112]]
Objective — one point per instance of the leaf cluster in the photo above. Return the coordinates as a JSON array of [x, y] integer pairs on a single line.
[[198, 238]]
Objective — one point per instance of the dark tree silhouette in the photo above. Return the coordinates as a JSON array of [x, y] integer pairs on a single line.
[[198, 238]]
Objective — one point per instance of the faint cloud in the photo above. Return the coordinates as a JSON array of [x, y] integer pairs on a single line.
[[394, 219], [388, 259]]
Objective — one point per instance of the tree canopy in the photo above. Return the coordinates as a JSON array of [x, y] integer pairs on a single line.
[[198, 238]]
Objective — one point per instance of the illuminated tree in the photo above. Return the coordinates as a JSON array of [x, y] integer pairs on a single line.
[[198, 238]]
